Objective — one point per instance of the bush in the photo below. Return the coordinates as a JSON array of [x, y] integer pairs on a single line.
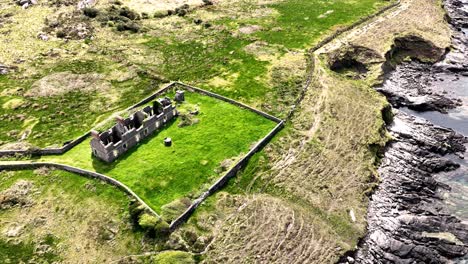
[[135, 210], [60, 34], [154, 226], [132, 15], [129, 26], [147, 221], [182, 12], [174, 209], [162, 228], [90, 12]]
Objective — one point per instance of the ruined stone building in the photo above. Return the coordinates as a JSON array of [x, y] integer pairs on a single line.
[[111, 144]]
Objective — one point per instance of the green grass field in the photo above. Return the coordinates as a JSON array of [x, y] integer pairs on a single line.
[[162, 174]]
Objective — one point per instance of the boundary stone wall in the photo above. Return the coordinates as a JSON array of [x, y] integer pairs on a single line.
[[232, 172], [82, 172]]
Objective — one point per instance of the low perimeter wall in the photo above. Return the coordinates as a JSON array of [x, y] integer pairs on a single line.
[[228, 100], [86, 173], [232, 172]]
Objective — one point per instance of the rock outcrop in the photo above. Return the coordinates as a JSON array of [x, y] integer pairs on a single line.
[[407, 218]]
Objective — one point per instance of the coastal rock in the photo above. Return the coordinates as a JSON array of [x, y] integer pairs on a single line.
[[407, 205], [408, 219]]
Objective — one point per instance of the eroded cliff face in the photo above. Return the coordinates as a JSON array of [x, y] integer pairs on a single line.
[[408, 218]]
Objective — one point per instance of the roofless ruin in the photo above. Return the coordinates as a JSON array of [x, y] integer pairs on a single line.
[[128, 132]]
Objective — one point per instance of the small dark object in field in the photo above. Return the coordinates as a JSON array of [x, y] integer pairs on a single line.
[[167, 142], [198, 21], [207, 2]]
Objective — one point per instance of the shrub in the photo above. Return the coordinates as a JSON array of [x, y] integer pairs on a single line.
[[182, 12], [162, 228], [147, 221], [129, 26], [175, 208], [154, 226], [60, 34], [90, 12], [135, 210], [132, 15]]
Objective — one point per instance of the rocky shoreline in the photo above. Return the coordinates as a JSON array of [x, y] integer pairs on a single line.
[[408, 221]]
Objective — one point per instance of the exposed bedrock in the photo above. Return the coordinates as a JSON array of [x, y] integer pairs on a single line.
[[416, 85], [413, 47], [407, 220]]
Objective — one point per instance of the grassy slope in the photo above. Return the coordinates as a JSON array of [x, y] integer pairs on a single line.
[[160, 174], [186, 52], [198, 59], [60, 118], [72, 215]]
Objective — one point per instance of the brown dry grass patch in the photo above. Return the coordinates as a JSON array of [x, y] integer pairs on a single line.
[[264, 229], [64, 82]]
